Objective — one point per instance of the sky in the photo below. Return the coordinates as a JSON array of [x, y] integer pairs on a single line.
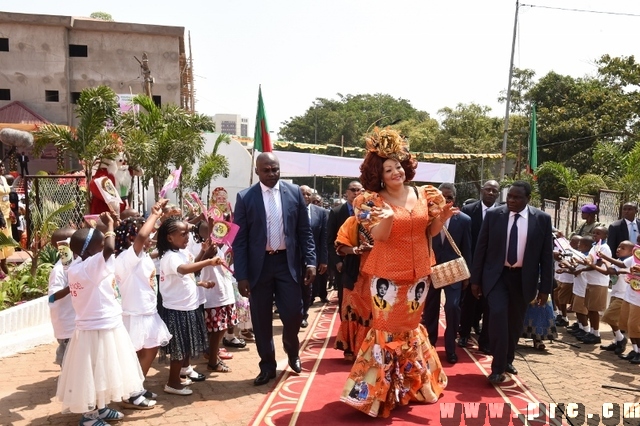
[[434, 53]]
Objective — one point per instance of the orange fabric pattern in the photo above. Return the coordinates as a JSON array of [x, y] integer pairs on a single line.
[[396, 363]]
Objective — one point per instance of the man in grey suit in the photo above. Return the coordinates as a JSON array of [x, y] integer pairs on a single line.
[[318, 221], [459, 227], [512, 265], [273, 241]]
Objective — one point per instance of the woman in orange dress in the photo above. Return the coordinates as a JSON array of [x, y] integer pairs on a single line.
[[396, 363], [354, 243]]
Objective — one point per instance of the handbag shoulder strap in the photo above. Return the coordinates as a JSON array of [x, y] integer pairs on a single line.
[[453, 244]]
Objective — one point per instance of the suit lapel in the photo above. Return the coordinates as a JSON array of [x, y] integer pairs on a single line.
[[284, 203]]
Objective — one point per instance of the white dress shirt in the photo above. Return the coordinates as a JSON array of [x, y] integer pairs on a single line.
[[523, 224], [265, 199], [633, 233]]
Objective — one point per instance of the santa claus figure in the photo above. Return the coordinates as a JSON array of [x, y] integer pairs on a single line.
[[120, 174]]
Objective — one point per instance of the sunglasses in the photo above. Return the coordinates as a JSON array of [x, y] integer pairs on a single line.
[[354, 189]]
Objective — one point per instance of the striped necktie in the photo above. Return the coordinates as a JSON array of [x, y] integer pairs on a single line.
[[274, 221]]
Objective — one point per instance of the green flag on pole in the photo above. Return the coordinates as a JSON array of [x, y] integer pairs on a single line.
[[261, 139], [533, 141]]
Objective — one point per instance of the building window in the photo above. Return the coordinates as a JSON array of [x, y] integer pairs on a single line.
[[4, 44], [5, 94], [75, 97], [78, 50], [51, 96], [157, 99]]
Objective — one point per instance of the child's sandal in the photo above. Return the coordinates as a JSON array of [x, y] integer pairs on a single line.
[[139, 403], [220, 367], [107, 413]]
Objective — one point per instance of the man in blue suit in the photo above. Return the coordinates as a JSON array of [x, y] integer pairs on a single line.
[[274, 238], [512, 266], [318, 221], [459, 227]]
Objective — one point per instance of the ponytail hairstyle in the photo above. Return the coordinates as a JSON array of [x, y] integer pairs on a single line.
[[169, 226]]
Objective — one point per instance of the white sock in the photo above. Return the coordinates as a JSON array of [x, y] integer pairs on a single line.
[[566, 318], [587, 329], [229, 336], [580, 326], [595, 332], [635, 348], [619, 335]]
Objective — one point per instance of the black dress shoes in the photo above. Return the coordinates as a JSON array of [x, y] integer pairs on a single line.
[[497, 378], [264, 377], [485, 350], [462, 342], [295, 365], [304, 324], [452, 358], [511, 369]]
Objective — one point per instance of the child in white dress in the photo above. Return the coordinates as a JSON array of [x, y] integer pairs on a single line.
[[220, 310], [180, 300], [100, 365], [63, 317], [136, 278]]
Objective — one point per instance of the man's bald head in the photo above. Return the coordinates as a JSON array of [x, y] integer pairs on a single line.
[[268, 169]]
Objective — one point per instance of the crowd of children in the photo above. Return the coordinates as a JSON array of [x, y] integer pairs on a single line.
[[103, 298], [583, 273]]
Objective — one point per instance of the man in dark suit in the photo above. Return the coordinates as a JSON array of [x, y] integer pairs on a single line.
[[24, 163], [626, 228], [337, 216], [318, 222], [512, 265], [459, 227], [473, 309], [273, 241]]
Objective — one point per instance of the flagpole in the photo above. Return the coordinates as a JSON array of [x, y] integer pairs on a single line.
[[253, 154], [503, 165]]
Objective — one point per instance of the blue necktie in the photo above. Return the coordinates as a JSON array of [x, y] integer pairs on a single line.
[[512, 253]]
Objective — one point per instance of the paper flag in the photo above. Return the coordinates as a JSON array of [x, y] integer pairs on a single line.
[[634, 279], [215, 213], [196, 198], [171, 183], [109, 193], [223, 232]]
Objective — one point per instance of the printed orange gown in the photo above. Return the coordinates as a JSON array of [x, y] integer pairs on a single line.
[[356, 302], [396, 363]]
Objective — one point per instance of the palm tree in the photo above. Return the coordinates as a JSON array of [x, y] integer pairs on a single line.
[[210, 166], [92, 139], [156, 138]]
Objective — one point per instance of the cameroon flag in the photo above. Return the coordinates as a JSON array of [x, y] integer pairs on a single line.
[[261, 139]]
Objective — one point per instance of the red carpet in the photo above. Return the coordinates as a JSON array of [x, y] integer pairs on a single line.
[[312, 398]]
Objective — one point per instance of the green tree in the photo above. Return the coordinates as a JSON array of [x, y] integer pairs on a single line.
[[210, 166], [328, 121], [94, 138], [102, 15], [159, 137]]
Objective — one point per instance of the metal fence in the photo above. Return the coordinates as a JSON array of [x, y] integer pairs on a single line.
[[565, 212], [46, 194]]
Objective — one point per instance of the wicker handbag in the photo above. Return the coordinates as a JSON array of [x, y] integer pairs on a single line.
[[450, 272]]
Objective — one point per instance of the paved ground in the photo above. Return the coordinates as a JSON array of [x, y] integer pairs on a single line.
[[562, 374]]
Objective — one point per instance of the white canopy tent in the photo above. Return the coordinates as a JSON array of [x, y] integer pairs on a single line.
[[296, 164]]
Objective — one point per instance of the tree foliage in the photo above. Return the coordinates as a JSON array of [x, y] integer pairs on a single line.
[[328, 121], [102, 15], [158, 138]]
